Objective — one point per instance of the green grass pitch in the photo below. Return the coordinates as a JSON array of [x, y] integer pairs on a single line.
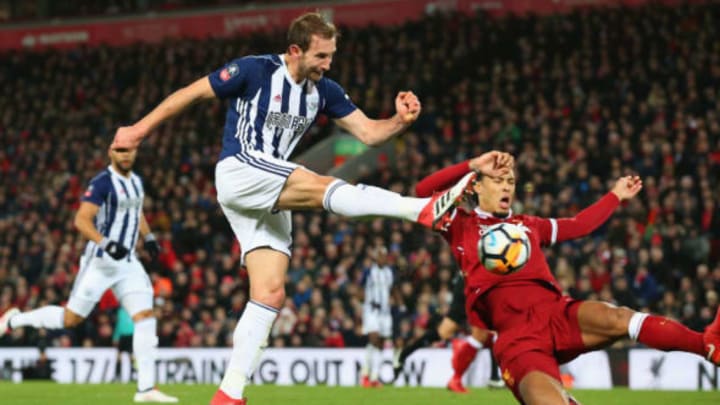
[[116, 394]]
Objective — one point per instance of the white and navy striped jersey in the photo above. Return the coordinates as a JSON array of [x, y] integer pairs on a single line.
[[268, 111], [378, 283], [120, 200]]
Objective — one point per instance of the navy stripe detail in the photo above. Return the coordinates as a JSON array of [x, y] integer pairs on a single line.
[[134, 237], [329, 193], [112, 211], [263, 104], [246, 126], [264, 166], [126, 218], [265, 163], [263, 306], [111, 206], [238, 157], [284, 108], [303, 113], [303, 102]]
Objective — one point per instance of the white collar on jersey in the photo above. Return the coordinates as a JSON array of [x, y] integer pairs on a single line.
[[485, 214], [115, 172], [288, 76]]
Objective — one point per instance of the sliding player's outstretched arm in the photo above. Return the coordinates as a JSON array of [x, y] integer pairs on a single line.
[[592, 217]]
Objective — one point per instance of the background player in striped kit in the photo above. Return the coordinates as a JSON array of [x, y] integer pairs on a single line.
[[111, 217], [273, 100], [377, 319]]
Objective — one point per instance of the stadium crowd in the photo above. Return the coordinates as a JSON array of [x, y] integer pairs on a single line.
[[579, 99], [19, 11]]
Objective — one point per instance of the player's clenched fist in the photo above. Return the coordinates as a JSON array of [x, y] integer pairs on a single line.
[[493, 163], [627, 187], [407, 106], [127, 138]]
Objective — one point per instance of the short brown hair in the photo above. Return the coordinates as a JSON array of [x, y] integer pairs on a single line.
[[304, 27]]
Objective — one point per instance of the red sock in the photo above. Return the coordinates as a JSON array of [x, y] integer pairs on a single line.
[[463, 357], [665, 334]]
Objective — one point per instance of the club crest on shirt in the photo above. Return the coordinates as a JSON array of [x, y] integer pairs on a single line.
[[228, 72]]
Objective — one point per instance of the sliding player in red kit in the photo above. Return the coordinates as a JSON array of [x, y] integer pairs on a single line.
[[539, 328]]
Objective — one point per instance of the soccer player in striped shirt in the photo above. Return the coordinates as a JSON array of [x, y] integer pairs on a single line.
[[273, 100], [377, 319], [111, 217]]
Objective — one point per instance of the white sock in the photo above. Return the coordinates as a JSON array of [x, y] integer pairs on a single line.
[[249, 339], [474, 342], [362, 200], [49, 317], [365, 370], [635, 325], [376, 362], [145, 343]]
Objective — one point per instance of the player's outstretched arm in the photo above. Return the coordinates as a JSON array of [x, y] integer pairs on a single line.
[[374, 132], [174, 104], [592, 217]]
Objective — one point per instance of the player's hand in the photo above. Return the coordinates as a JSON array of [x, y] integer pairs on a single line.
[[627, 187], [493, 163], [114, 249], [127, 137], [152, 247], [407, 106]]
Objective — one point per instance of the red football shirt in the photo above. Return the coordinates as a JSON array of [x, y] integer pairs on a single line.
[[465, 232]]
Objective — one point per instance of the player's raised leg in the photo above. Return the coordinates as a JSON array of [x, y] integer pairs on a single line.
[[307, 190], [602, 323]]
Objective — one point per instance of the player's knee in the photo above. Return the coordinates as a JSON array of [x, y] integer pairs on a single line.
[[619, 320], [71, 319], [273, 296], [446, 329]]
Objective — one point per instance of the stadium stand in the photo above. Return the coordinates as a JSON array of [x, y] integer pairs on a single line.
[[580, 99]]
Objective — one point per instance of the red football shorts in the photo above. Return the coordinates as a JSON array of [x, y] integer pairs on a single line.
[[537, 330]]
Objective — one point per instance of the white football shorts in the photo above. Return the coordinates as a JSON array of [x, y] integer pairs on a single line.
[[377, 322], [127, 279], [247, 189]]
